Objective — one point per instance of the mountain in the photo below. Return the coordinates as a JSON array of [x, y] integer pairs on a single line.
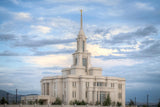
[[11, 97]]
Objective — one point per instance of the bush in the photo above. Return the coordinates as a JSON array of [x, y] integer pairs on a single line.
[[119, 104], [77, 102], [158, 104], [113, 103], [98, 103], [144, 105], [57, 101], [131, 102], [40, 102], [3, 101]]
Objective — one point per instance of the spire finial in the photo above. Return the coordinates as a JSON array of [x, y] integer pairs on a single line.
[[81, 19]]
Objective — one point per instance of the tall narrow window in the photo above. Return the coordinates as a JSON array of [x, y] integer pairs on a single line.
[[83, 45], [47, 88], [86, 94], [76, 61], [44, 88], [120, 95], [84, 61]]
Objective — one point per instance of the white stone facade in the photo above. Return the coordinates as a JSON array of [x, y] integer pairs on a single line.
[[82, 81]]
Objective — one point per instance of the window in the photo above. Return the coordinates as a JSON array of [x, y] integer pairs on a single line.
[[99, 84], [120, 95], [112, 85], [106, 84], [44, 88], [74, 94], [74, 84], [64, 84], [64, 94], [47, 88], [94, 84], [55, 85], [83, 45], [87, 84], [86, 94], [75, 61], [120, 86], [84, 61], [54, 93]]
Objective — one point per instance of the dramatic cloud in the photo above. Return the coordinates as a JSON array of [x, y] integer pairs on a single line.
[[7, 53], [38, 43], [37, 39], [130, 36], [6, 37]]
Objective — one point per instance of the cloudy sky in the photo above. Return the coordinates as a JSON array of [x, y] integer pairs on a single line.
[[38, 37]]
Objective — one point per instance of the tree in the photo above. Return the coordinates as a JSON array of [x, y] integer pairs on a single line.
[[144, 105], [3, 101], [107, 101], [119, 104], [40, 102], [57, 101], [158, 104], [113, 103], [83, 102], [98, 103], [131, 102], [78, 102]]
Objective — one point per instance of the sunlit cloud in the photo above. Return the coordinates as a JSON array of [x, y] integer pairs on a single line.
[[144, 6], [62, 60], [41, 29], [23, 16]]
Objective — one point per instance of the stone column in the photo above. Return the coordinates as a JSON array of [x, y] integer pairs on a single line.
[[45, 86], [116, 91], [123, 94], [68, 90], [85, 45], [79, 59], [95, 97], [90, 96]]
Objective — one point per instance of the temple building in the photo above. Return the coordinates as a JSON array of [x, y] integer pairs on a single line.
[[82, 81]]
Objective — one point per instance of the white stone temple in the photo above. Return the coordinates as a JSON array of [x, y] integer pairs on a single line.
[[82, 81]]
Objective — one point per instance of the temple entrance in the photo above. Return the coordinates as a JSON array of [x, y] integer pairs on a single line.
[[102, 96]]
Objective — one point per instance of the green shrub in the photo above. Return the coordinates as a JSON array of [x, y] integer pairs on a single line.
[[40, 102], [119, 104], [131, 102], [113, 103], [158, 104], [98, 103], [77, 102], [3, 101], [57, 101]]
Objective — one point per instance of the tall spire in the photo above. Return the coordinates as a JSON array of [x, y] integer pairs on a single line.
[[81, 32], [81, 20]]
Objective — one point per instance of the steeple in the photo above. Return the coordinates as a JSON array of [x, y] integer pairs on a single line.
[[81, 57], [81, 32], [81, 39]]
